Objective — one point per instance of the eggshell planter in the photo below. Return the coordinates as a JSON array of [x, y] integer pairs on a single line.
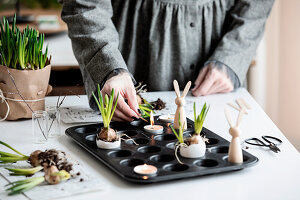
[[108, 145], [194, 150]]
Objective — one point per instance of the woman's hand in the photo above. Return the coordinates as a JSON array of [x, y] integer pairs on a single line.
[[122, 83], [212, 79]]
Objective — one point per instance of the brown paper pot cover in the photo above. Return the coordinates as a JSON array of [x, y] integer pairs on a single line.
[[32, 84]]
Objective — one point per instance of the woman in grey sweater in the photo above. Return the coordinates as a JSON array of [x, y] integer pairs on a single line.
[[210, 42]]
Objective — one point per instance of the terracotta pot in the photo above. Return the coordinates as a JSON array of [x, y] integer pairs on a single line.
[[32, 84]]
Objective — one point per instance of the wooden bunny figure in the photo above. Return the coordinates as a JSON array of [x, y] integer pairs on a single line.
[[180, 102], [235, 154]]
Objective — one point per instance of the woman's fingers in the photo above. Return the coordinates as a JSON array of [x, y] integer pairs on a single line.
[[123, 107], [119, 116], [117, 119], [226, 89], [200, 78], [223, 85], [123, 85], [215, 81], [214, 88], [132, 100], [207, 83]]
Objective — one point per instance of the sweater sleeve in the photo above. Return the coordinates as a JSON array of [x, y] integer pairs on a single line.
[[94, 39], [237, 47]]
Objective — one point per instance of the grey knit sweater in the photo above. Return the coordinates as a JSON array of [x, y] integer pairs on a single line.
[[162, 40]]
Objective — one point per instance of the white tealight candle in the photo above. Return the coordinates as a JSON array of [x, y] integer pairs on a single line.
[[145, 169], [167, 118], [156, 129]]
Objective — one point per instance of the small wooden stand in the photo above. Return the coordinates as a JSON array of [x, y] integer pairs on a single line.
[[180, 102]]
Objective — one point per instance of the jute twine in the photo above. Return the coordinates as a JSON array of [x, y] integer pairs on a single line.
[[5, 99]]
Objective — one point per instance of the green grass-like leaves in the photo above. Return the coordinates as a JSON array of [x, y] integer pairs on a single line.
[[10, 147], [199, 120], [106, 105], [6, 157], [146, 108], [24, 172], [18, 187], [4, 160], [21, 50], [179, 135]]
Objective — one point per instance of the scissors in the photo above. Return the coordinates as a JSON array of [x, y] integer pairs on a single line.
[[272, 142]]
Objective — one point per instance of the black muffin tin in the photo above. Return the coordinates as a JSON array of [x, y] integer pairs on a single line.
[[157, 150]]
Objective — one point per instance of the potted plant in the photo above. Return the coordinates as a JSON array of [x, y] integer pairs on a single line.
[[107, 138], [193, 146], [24, 71]]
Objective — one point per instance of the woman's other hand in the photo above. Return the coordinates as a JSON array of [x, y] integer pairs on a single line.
[[214, 78]]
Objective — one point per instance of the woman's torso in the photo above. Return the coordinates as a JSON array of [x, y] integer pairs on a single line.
[[163, 40]]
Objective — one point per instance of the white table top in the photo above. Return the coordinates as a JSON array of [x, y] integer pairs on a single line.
[[275, 176]]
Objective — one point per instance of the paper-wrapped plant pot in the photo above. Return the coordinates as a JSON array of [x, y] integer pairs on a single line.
[[108, 145], [194, 150], [32, 84]]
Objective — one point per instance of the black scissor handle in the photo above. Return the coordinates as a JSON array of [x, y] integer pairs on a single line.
[[266, 137], [255, 141]]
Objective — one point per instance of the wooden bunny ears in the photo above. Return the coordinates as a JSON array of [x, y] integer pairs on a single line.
[[228, 117], [185, 91], [243, 106]]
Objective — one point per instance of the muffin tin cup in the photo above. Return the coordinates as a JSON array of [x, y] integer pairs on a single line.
[[156, 150]]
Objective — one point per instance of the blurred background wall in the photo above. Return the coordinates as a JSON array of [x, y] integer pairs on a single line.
[[278, 62], [32, 4]]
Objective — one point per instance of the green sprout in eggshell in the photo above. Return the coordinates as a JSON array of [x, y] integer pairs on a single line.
[[198, 126], [199, 120], [179, 135], [107, 110]]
